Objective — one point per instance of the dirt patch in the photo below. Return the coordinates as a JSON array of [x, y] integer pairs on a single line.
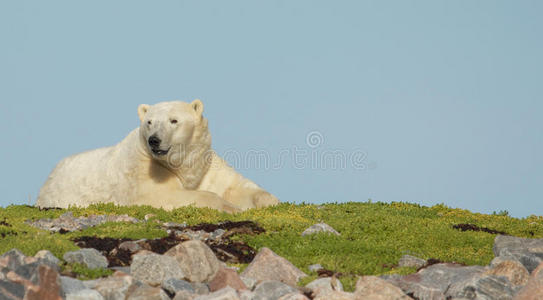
[[473, 227], [8, 233], [224, 248], [108, 247], [241, 227]]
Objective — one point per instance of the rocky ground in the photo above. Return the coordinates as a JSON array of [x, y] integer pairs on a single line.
[[191, 264]]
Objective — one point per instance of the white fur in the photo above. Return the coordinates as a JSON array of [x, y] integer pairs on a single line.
[[131, 173]]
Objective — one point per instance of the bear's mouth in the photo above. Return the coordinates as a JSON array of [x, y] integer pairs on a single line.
[[160, 152]]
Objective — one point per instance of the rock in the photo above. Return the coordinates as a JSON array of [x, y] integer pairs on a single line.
[[26, 273], [315, 267], [91, 284], [433, 281], [71, 285], [272, 290], [249, 282], [12, 259], [130, 246], [174, 286], [226, 277], [481, 286], [372, 287], [197, 261], [293, 296], [534, 287], [85, 294], [11, 290], [323, 286], [125, 270], [246, 295], [146, 292], [67, 222], [200, 288], [320, 228], [147, 217], [269, 266], [226, 293], [46, 255], [153, 268], [184, 295], [514, 271], [528, 252], [337, 295], [116, 287], [121, 218], [45, 284], [88, 257], [411, 261]]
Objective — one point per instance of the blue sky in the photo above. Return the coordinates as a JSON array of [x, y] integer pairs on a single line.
[[420, 101]]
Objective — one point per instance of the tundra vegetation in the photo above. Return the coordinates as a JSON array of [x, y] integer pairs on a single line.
[[373, 235]]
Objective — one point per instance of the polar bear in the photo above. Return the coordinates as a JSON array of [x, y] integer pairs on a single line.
[[167, 162]]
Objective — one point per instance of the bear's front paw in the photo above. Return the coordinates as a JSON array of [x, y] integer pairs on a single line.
[[263, 199]]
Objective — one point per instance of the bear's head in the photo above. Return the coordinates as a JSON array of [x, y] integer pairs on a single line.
[[170, 129]]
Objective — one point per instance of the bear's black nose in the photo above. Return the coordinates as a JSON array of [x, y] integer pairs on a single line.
[[154, 141]]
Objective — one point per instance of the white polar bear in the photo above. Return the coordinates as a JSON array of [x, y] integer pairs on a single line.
[[167, 162]]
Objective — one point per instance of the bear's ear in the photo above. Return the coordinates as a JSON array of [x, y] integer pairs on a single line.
[[142, 110], [198, 106]]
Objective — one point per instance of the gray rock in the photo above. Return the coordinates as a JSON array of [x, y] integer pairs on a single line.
[[272, 290], [130, 246], [372, 287], [125, 270], [153, 268], [71, 285], [315, 267], [246, 295], [40, 281], [293, 296], [89, 257], [481, 287], [174, 285], [67, 222], [513, 270], [226, 293], [322, 286], [200, 288], [432, 282], [12, 259], [116, 287], [320, 228], [91, 284], [249, 282], [338, 295], [46, 255], [528, 252], [269, 266], [411, 261], [197, 261], [146, 292], [184, 295], [16, 290], [29, 272], [85, 294]]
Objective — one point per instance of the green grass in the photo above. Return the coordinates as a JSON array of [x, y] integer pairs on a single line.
[[373, 235]]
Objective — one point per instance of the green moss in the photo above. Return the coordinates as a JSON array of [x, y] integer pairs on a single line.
[[373, 235], [84, 273]]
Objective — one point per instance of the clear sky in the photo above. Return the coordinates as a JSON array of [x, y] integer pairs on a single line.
[[317, 101]]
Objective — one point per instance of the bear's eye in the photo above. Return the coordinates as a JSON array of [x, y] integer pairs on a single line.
[[149, 122], [173, 121]]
